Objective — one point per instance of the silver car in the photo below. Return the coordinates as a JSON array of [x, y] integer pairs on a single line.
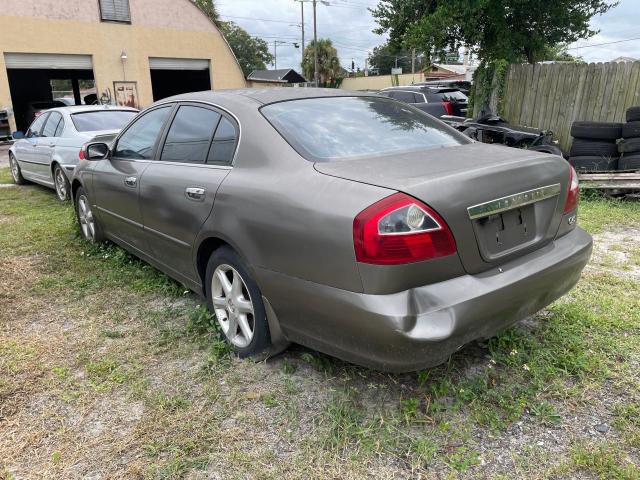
[[49, 152], [347, 222]]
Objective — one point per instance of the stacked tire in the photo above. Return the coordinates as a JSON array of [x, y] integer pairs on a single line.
[[594, 147], [629, 146]]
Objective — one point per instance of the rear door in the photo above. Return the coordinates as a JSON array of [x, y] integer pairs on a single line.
[[45, 145], [178, 188], [116, 180]]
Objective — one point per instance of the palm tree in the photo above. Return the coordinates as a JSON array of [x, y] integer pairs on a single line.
[[328, 63]]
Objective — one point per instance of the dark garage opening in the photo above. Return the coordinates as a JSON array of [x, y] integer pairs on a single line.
[[166, 83], [37, 85]]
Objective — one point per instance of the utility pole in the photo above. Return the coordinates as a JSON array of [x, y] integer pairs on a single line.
[[275, 52], [413, 65], [302, 23], [315, 46]]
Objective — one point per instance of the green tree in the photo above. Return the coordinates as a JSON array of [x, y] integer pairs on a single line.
[[559, 53], [209, 9], [514, 30], [383, 58], [252, 53], [329, 69]]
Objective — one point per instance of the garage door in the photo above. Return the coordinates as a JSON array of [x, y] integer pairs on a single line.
[[157, 63], [48, 61]]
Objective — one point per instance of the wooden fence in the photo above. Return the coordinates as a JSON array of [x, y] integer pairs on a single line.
[[553, 96]]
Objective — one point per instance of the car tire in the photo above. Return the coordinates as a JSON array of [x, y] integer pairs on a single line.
[[633, 114], [89, 226], [238, 307], [16, 172], [596, 130], [586, 148], [61, 184], [593, 163], [629, 145], [629, 162], [631, 130]]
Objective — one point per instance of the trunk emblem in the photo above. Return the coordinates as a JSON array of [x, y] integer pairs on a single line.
[[499, 205]]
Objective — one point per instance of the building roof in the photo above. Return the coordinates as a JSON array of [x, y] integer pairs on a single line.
[[457, 69], [624, 59], [283, 75]]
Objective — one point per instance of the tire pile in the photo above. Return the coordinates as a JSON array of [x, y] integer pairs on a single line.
[[594, 146], [629, 146]]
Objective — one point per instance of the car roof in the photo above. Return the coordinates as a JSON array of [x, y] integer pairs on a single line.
[[90, 108], [263, 96]]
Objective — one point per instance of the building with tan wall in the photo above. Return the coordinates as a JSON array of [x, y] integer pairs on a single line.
[[133, 51]]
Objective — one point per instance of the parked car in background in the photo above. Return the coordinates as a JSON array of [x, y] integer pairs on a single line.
[[463, 85], [50, 150], [435, 101], [374, 233], [35, 109]]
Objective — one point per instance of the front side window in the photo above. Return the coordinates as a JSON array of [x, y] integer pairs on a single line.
[[35, 130], [102, 120], [115, 11], [52, 125], [224, 144], [339, 128], [139, 141], [190, 134]]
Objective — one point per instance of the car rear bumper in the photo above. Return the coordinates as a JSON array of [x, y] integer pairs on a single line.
[[421, 327]]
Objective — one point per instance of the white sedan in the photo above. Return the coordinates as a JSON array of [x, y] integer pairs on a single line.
[[50, 150]]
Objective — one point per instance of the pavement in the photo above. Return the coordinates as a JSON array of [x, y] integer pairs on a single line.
[[4, 156]]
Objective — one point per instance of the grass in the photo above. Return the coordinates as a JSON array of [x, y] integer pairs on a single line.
[[107, 367]]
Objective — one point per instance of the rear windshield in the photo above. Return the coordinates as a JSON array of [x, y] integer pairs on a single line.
[[102, 120], [325, 129], [453, 96]]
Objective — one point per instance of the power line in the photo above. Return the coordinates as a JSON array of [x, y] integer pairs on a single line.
[[605, 43]]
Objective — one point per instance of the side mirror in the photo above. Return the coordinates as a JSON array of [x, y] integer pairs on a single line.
[[95, 151], [17, 135]]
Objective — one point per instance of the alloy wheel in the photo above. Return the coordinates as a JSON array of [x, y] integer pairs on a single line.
[[61, 183], [14, 168], [87, 224], [232, 305]]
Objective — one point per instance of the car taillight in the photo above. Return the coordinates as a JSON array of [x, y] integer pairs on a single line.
[[448, 106], [81, 154], [400, 229], [573, 192]]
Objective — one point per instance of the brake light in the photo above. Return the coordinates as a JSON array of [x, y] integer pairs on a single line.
[[400, 229], [448, 107], [573, 192], [81, 154]]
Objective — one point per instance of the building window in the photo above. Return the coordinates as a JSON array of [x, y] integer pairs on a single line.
[[115, 11]]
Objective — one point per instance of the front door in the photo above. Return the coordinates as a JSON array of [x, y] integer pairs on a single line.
[[178, 188], [26, 150], [116, 181]]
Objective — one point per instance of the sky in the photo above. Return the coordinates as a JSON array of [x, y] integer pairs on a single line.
[[349, 24]]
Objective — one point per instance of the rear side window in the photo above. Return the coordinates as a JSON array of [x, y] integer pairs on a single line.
[[139, 140], [338, 128], [224, 144], [102, 120], [35, 129], [406, 97], [52, 125], [190, 134]]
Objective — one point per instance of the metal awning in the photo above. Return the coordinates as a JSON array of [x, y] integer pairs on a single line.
[[61, 61], [159, 63]]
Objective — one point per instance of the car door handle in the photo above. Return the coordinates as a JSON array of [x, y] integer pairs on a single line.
[[131, 181], [195, 193]]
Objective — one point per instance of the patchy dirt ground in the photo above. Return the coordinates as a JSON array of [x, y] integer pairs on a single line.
[[110, 370]]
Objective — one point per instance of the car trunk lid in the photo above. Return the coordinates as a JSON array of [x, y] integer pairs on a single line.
[[499, 202]]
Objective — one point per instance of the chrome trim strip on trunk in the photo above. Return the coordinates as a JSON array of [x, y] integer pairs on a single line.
[[510, 202]]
